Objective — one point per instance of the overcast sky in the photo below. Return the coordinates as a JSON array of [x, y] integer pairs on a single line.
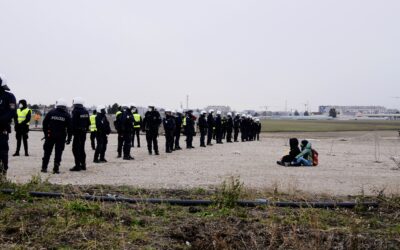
[[245, 54]]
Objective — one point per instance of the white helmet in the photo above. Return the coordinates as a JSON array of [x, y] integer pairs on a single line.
[[211, 111], [168, 111], [203, 112], [124, 106], [229, 114], [219, 112], [151, 105], [61, 103], [100, 107], [3, 83], [132, 105], [257, 120], [78, 101], [237, 114]]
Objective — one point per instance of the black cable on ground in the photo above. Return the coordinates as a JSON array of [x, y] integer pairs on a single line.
[[242, 203]]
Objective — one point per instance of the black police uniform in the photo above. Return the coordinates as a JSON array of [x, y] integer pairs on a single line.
[[120, 135], [229, 129], [203, 129], [236, 128], [224, 127], [189, 130], [127, 130], [169, 129], [103, 130], [243, 129], [151, 124], [218, 129], [80, 127], [56, 127], [178, 128], [258, 131], [22, 129], [211, 125], [7, 113]]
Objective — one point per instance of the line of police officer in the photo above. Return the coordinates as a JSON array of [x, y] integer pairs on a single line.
[[59, 128]]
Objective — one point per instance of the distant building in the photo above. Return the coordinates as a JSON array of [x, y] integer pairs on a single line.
[[354, 110], [223, 109]]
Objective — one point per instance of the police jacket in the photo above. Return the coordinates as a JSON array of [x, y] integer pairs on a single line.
[[127, 121], [27, 119], [210, 121], [218, 122], [102, 124], [152, 120], [189, 128], [203, 122], [57, 124], [236, 122], [229, 123], [80, 119], [7, 110], [169, 123]]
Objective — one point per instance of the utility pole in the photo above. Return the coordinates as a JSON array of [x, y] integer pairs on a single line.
[[187, 101]]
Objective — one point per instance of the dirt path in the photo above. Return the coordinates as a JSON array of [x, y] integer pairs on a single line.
[[347, 165]]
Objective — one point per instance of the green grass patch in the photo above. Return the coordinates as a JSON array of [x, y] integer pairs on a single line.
[[327, 126]]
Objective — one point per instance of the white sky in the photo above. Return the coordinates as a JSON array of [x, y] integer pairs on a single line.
[[245, 54]]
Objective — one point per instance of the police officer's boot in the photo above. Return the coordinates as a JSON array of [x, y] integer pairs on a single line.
[[56, 169], [44, 166], [76, 168], [83, 167]]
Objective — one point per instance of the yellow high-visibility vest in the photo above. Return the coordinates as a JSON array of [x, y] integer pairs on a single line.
[[93, 127], [184, 121], [118, 113], [22, 115], [137, 117]]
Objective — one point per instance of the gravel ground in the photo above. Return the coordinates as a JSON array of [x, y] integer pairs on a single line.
[[350, 163]]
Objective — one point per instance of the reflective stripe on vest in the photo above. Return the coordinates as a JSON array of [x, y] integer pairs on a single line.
[[22, 115], [93, 127], [118, 113], [137, 117]]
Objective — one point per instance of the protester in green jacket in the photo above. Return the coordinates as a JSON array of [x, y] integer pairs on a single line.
[[305, 157]]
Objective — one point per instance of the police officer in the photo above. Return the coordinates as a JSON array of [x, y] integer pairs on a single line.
[[103, 130], [258, 129], [21, 121], [93, 129], [169, 128], [80, 127], [243, 128], [151, 124], [137, 125], [178, 128], [218, 127], [224, 121], [236, 127], [229, 128], [189, 128], [117, 125], [127, 131], [7, 113], [56, 128], [211, 127], [203, 128]]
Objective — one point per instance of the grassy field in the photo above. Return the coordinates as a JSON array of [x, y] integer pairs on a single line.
[[69, 223], [327, 126]]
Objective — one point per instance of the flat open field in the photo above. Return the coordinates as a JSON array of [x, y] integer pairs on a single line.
[[326, 126], [351, 163]]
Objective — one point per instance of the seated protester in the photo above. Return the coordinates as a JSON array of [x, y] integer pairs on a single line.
[[305, 157], [294, 151]]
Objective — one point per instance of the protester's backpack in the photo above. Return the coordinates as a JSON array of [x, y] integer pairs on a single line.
[[314, 157]]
